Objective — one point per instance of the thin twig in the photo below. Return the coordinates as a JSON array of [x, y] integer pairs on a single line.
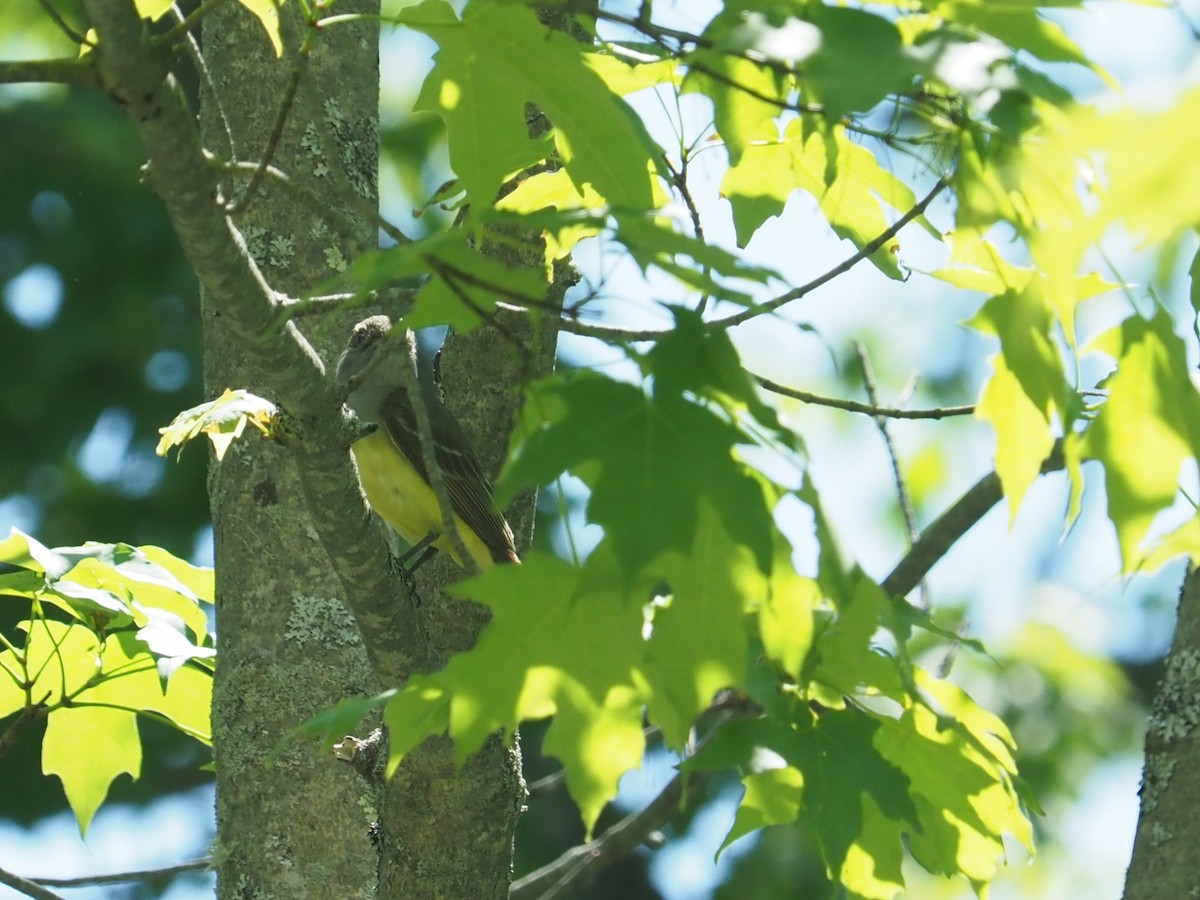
[[554, 779], [318, 202], [546, 782], [881, 423], [452, 276], [889, 412], [63, 24], [573, 868], [951, 525], [783, 105], [679, 178], [281, 117], [391, 299], [849, 263], [196, 55], [27, 887], [194, 865], [611, 334], [633, 336], [187, 26], [433, 468]]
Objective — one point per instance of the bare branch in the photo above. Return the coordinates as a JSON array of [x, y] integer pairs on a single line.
[[575, 868], [611, 334], [300, 64], [846, 265], [319, 204], [79, 72], [195, 865], [906, 506], [631, 336], [881, 423], [951, 525], [680, 180], [69, 30], [186, 27], [192, 47], [870, 409], [27, 887]]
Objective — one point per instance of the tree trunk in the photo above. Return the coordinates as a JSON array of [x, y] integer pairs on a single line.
[[311, 826], [299, 826], [1168, 832]]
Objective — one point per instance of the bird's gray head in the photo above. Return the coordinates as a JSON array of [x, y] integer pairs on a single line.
[[366, 339]]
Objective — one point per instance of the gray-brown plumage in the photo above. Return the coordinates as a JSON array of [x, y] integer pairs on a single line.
[[370, 367]]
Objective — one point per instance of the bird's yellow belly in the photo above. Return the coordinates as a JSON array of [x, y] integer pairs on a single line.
[[400, 496]]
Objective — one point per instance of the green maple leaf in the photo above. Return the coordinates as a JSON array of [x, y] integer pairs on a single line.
[[698, 640], [853, 191], [861, 61], [1147, 428], [561, 642], [493, 62], [1027, 391], [647, 459], [961, 773], [824, 769]]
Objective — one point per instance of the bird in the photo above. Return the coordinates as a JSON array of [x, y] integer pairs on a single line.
[[391, 467]]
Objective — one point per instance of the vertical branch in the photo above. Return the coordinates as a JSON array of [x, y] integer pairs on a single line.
[[881, 422], [1168, 830]]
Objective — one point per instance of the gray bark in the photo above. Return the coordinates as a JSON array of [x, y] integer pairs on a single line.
[[288, 647], [1168, 832], [310, 608]]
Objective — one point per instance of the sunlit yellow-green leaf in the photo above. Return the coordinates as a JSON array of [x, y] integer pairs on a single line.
[[698, 643], [966, 801], [1146, 429], [855, 801], [197, 579], [857, 195], [61, 658], [573, 657], [1182, 541], [1023, 434], [25, 552], [772, 797], [1095, 169], [267, 12], [785, 618], [740, 90], [152, 9], [976, 265], [555, 190], [626, 75], [223, 420], [496, 59], [131, 681], [87, 747], [597, 743], [1028, 388]]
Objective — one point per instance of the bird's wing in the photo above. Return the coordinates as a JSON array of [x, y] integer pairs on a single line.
[[469, 489]]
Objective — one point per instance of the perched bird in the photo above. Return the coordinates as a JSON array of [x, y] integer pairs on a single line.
[[390, 464]]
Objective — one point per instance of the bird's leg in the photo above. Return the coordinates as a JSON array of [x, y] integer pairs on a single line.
[[419, 552]]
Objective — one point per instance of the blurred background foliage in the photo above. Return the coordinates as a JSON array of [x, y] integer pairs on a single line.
[[100, 347]]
